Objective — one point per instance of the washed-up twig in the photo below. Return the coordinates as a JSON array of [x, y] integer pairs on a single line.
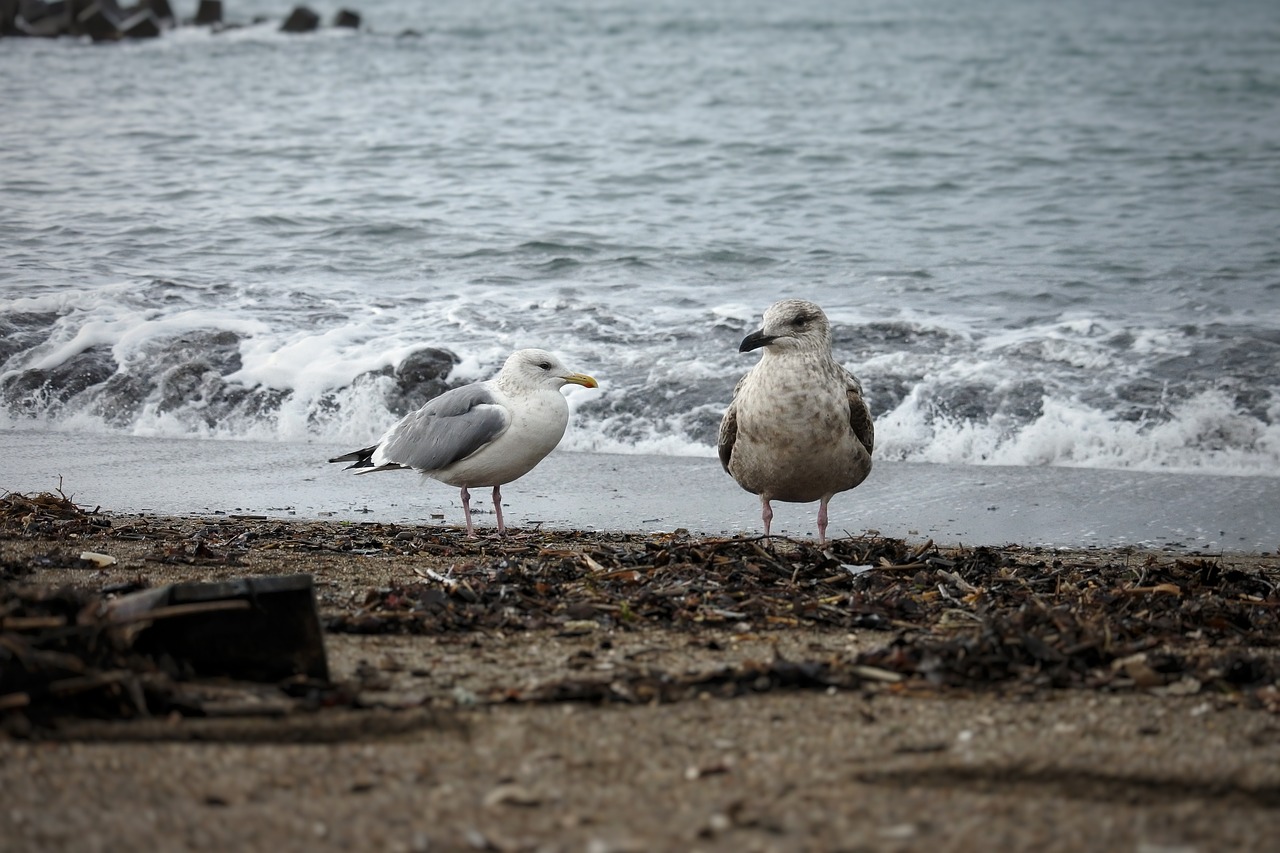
[[173, 611]]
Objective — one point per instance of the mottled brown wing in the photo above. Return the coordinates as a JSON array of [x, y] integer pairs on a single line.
[[728, 435], [860, 419], [729, 426]]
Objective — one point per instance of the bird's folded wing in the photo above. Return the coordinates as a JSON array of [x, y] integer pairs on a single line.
[[728, 434], [729, 425], [860, 418], [449, 428]]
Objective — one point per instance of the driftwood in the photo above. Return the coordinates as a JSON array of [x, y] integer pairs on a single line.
[[69, 653], [259, 629]]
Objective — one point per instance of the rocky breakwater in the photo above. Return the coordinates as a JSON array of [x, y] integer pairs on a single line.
[[108, 20]]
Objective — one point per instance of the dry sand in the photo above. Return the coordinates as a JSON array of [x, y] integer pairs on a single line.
[[457, 741]]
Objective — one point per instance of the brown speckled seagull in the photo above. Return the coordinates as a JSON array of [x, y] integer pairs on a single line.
[[798, 429]]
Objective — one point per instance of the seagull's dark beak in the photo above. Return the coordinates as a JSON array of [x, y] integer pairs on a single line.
[[755, 340]]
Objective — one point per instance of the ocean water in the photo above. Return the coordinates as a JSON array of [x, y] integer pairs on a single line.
[[1046, 233]]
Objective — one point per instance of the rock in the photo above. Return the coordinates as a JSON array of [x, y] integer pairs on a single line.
[[98, 559], [300, 20], [122, 397], [36, 391], [219, 348], [8, 18], [425, 365], [174, 373], [104, 20], [347, 18], [184, 384], [76, 8], [420, 377], [511, 794], [42, 20], [22, 330], [161, 9], [209, 12], [143, 25], [99, 21]]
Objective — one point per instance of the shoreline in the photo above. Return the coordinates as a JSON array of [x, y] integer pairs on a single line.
[[952, 505]]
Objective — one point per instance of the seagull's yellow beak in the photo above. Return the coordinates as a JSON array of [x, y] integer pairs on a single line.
[[581, 379]]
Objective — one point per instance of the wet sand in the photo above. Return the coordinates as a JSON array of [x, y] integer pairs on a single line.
[[1063, 507]]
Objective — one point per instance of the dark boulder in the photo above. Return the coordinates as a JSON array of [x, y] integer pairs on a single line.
[[22, 330], [425, 365], [228, 403], [209, 12], [161, 9], [104, 20], [187, 383], [347, 18], [39, 390], [42, 20], [422, 376], [144, 25], [9, 18], [300, 20], [121, 398], [217, 348], [173, 373], [99, 21]]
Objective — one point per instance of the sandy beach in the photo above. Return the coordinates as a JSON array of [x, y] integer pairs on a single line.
[[599, 690], [1043, 240]]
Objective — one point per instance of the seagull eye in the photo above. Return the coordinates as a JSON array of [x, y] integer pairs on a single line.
[[546, 365], [799, 322]]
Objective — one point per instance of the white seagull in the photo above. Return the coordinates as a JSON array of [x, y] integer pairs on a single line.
[[483, 434], [797, 429]]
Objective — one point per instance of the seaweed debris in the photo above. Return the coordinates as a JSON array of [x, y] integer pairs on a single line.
[[966, 618], [47, 515], [939, 620]]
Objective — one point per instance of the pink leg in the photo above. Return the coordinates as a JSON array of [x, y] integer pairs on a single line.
[[466, 511], [822, 521], [766, 514], [497, 508]]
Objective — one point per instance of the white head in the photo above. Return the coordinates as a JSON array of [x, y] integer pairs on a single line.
[[792, 324], [531, 369]]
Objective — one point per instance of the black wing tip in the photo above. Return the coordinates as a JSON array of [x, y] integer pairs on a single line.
[[358, 458]]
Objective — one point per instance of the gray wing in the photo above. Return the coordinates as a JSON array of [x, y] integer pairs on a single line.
[[448, 428], [859, 413]]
